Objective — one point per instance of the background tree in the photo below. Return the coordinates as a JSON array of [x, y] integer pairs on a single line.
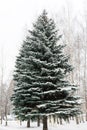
[[2, 88]]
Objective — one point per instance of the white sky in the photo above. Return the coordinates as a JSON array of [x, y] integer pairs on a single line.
[[16, 16]]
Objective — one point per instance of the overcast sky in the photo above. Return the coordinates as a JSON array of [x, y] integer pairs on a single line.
[[18, 15]]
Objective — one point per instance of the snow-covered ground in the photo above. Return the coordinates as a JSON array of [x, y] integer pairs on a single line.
[[15, 125]]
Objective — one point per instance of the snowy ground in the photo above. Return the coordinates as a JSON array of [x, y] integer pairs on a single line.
[[15, 125]]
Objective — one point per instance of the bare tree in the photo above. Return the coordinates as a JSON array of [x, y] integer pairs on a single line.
[[2, 90]]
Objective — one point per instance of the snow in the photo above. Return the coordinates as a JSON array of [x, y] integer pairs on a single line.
[[43, 105], [15, 125]]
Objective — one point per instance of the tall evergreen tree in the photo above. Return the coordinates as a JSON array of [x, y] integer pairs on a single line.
[[41, 87]]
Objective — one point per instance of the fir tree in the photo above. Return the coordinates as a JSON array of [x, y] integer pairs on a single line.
[[41, 88]]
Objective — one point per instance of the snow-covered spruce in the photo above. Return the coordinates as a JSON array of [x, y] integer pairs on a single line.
[[41, 69]]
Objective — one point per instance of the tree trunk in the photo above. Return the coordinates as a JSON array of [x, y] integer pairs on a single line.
[[38, 121], [54, 119], [6, 123], [6, 111], [20, 122], [57, 120], [82, 118], [28, 123], [50, 119], [1, 119], [45, 127], [77, 120], [68, 121], [86, 110], [60, 119]]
